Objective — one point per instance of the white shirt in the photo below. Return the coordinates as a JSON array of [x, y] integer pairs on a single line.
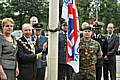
[[109, 36]]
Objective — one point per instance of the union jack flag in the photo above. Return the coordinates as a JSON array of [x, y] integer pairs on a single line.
[[69, 13]]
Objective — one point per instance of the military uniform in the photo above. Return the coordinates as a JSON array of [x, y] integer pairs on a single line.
[[89, 53], [104, 45]]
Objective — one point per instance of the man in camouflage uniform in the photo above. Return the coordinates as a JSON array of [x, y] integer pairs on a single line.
[[90, 51]]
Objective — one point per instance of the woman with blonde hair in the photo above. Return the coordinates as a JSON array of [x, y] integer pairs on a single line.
[[8, 50]]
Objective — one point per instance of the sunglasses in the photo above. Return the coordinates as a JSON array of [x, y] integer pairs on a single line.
[[65, 25]]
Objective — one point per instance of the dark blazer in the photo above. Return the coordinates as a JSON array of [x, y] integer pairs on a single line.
[[113, 43], [26, 61], [42, 62], [8, 53], [110, 61], [42, 40], [62, 49], [103, 43]]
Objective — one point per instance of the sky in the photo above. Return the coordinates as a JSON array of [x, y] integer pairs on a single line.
[[118, 1]]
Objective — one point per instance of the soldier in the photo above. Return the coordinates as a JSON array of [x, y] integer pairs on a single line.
[[40, 42], [65, 71], [104, 45], [90, 51]]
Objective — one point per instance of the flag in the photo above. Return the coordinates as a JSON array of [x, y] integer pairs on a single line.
[[65, 10], [73, 33]]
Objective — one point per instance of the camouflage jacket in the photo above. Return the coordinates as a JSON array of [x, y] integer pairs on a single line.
[[89, 53]]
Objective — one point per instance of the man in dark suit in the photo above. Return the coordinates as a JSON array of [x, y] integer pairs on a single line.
[[40, 41], [26, 54], [104, 44], [64, 70], [110, 57]]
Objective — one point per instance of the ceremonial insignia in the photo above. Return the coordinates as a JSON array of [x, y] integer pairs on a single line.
[[32, 49], [14, 45], [86, 51]]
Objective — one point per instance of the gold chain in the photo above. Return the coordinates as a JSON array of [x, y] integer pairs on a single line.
[[26, 47]]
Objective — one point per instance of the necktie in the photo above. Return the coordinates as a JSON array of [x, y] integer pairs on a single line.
[[65, 41], [37, 44], [29, 41], [37, 41], [65, 37], [108, 37], [97, 36]]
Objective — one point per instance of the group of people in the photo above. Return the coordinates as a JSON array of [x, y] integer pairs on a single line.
[[25, 58], [96, 50]]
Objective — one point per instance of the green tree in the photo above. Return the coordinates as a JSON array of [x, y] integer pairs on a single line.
[[83, 10], [26, 9], [109, 11]]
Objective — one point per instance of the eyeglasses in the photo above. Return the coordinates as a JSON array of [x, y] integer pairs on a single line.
[[9, 25], [65, 25]]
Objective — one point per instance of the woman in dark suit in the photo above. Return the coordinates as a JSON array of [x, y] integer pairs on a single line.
[[26, 55], [8, 50]]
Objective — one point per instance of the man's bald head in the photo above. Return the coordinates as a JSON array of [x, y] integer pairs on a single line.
[[110, 28], [110, 25], [33, 20], [27, 30], [26, 25]]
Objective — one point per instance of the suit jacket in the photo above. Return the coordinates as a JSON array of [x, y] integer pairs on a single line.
[[8, 53], [39, 48], [103, 43], [62, 49], [26, 60], [112, 47]]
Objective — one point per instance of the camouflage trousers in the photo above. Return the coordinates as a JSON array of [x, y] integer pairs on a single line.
[[85, 75]]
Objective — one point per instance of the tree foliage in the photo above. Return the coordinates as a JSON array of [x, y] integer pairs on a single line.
[[109, 11], [25, 9]]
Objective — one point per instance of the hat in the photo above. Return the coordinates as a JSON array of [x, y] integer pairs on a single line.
[[62, 20], [64, 24], [87, 28], [38, 26], [98, 25], [84, 24]]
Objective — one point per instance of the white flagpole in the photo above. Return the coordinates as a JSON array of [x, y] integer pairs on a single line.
[[97, 7], [53, 40]]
